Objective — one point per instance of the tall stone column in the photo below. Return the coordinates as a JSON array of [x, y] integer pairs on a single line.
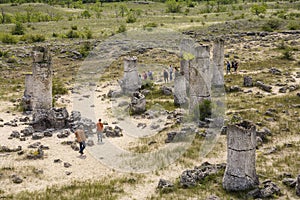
[[42, 78], [199, 76], [218, 62], [240, 173], [131, 81], [180, 95]]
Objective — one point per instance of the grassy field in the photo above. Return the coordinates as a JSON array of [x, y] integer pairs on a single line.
[[82, 29]]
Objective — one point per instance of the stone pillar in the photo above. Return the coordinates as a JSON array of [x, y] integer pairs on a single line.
[[180, 95], [42, 79], [195, 66], [199, 76], [240, 173], [131, 81], [218, 62]]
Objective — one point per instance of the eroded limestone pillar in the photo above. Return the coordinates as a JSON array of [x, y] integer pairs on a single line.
[[180, 95], [240, 173], [42, 78], [199, 76], [131, 81], [218, 61]]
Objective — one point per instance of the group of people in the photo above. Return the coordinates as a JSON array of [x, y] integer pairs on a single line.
[[147, 75], [234, 64], [81, 138], [168, 73]]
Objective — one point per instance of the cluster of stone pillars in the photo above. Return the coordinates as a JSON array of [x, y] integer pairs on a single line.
[[198, 73]]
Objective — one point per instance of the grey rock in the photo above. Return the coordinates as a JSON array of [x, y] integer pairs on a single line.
[[270, 190], [275, 71], [15, 134], [90, 143], [283, 90], [248, 81], [263, 86], [67, 165], [213, 197], [166, 90], [138, 103], [162, 184], [16, 179], [290, 182], [37, 136], [57, 161], [28, 131]]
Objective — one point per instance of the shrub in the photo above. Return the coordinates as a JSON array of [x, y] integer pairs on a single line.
[[3, 53], [58, 88], [271, 25], [150, 25], [85, 49], [293, 25], [173, 6], [122, 28], [88, 33], [259, 9], [287, 54], [74, 27], [73, 34], [203, 110], [9, 39], [86, 14], [18, 29], [33, 38], [130, 18]]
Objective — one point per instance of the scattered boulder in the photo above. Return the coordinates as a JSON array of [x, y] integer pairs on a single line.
[[7, 149], [275, 71], [138, 103], [270, 189], [90, 143], [263, 86], [213, 197], [34, 145], [16, 179], [37, 154], [37, 136], [112, 132], [15, 134], [248, 81], [67, 165], [165, 184], [235, 88], [28, 131], [283, 90], [57, 161], [290, 182], [166, 90], [142, 125], [64, 134], [189, 178]]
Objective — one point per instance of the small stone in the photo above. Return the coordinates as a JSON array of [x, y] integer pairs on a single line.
[[57, 161], [68, 173], [67, 165], [16, 179]]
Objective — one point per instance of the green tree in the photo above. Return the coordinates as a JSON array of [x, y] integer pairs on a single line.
[[259, 9]]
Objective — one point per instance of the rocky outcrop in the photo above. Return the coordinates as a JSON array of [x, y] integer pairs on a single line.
[[138, 103]]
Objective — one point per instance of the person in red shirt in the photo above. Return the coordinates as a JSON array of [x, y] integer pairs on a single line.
[[99, 130]]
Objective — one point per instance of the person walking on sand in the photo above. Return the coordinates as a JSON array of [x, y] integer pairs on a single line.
[[80, 137], [171, 72], [99, 130]]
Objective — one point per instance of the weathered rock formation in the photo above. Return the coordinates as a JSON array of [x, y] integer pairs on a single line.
[[218, 61], [180, 90], [42, 78], [131, 81], [240, 173], [138, 103]]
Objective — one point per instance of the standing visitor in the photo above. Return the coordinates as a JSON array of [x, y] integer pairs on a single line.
[[99, 130], [80, 137], [171, 72]]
